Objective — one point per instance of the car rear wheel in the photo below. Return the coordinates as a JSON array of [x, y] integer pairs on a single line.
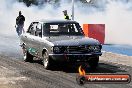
[[47, 61], [93, 62], [27, 56]]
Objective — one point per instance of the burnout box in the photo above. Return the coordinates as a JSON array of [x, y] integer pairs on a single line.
[[96, 31]]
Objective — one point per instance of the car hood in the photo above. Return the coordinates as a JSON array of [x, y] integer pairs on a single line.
[[72, 40]]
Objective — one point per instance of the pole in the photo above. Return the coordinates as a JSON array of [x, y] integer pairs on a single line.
[[72, 9]]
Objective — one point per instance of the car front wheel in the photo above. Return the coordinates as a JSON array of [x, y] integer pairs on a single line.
[[47, 61]]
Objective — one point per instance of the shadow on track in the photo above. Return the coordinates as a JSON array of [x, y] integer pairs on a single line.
[[73, 68]]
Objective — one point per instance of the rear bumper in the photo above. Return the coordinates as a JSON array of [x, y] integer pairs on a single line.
[[74, 57]]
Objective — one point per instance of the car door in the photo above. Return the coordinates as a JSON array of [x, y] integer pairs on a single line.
[[26, 37], [37, 40], [29, 38]]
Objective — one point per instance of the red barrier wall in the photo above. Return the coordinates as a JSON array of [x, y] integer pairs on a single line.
[[96, 31]]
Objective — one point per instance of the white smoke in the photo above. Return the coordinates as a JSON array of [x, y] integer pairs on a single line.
[[116, 14], [117, 18]]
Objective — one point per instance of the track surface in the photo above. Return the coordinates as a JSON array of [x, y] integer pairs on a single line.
[[16, 73]]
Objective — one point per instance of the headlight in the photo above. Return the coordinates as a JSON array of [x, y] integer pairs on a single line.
[[59, 49], [56, 49], [94, 48], [97, 48]]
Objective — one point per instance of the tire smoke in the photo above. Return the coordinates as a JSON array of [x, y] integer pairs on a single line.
[[115, 14]]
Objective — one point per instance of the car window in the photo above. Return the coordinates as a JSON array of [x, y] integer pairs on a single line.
[[32, 28], [38, 31], [62, 29], [46, 29]]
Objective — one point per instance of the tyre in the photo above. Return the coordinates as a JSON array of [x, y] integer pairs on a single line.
[[93, 63], [27, 56], [47, 61]]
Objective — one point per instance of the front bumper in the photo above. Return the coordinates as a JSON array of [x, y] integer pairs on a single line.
[[74, 57]]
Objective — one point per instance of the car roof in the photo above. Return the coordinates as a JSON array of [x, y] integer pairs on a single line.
[[56, 21]]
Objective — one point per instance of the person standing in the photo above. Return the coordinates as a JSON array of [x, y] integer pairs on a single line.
[[66, 15], [20, 24]]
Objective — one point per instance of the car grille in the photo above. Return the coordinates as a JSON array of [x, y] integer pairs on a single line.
[[82, 49]]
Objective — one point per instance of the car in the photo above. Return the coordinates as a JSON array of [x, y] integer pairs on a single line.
[[59, 41]]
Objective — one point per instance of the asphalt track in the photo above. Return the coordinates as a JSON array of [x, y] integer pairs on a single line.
[[15, 73], [33, 75]]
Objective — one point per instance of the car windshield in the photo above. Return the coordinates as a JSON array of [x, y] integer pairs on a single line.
[[53, 29]]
